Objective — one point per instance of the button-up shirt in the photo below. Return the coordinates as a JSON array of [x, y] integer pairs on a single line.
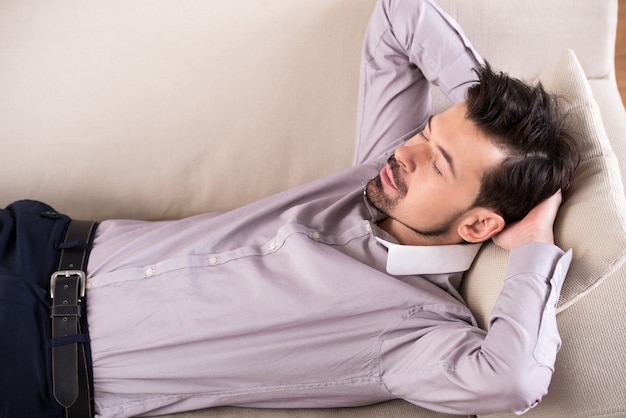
[[299, 300]]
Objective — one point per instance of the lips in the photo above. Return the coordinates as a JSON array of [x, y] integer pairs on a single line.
[[386, 176]]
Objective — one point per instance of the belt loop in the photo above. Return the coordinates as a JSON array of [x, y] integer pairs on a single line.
[[70, 373]]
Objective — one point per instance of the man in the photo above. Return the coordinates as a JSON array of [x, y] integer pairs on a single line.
[[341, 292]]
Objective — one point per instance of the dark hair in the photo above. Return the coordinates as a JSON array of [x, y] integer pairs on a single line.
[[527, 123]]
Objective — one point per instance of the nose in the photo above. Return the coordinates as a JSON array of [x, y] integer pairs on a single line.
[[411, 156]]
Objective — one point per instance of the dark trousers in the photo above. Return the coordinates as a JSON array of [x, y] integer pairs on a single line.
[[29, 236]]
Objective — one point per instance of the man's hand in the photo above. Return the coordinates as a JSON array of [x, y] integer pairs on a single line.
[[537, 226]]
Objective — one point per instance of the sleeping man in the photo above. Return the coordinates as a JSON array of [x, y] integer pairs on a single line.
[[340, 292]]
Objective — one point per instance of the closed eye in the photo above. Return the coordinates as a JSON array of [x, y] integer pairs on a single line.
[[437, 171], [434, 162]]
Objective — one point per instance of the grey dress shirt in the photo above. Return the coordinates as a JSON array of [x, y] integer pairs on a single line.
[[287, 303]]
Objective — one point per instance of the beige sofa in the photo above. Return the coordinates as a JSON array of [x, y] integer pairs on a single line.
[[163, 109]]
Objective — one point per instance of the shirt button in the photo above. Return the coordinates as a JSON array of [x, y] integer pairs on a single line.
[[315, 235], [368, 227], [273, 245], [89, 286], [212, 261], [149, 272]]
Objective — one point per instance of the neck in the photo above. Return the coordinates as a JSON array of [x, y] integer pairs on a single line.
[[410, 236]]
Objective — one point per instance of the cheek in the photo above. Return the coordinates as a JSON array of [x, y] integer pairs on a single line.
[[437, 201], [420, 204]]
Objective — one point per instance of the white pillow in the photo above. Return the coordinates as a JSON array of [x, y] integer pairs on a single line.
[[592, 219]]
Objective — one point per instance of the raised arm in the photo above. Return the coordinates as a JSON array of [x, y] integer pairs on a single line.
[[408, 45]]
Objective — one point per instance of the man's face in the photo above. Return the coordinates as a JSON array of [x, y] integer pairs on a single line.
[[428, 187]]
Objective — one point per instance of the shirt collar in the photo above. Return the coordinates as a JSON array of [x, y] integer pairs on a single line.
[[439, 259], [414, 259]]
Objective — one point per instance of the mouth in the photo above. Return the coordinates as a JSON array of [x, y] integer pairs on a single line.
[[386, 175]]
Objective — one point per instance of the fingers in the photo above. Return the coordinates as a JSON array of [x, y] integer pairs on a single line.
[[537, 226], [549, 207]]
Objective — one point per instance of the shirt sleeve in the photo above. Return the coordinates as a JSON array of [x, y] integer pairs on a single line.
[[455, 367], [409, 45]]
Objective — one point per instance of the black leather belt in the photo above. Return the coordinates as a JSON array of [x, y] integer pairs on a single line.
[[70, 370]]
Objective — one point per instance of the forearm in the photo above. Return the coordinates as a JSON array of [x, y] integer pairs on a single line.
[[523, 338], [527, 303]]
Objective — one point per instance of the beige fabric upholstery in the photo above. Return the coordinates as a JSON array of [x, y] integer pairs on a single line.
[[525, 36], [594, 207], [156, 109]]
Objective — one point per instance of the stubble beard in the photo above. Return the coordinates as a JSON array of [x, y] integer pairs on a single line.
[[375, 192]]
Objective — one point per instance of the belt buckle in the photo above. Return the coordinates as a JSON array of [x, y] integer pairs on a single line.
[[68, 273]]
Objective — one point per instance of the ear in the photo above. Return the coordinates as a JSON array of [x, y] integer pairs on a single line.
[[479, 225]]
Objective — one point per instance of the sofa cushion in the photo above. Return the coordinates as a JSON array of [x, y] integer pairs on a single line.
[[592, 218]]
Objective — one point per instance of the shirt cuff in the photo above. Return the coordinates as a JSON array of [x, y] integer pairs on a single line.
[[544, 260]]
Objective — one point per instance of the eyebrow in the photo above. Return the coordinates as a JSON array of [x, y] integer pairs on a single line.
[[445, 154]]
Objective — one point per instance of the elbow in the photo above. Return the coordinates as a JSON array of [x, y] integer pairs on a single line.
[[523, 389]]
